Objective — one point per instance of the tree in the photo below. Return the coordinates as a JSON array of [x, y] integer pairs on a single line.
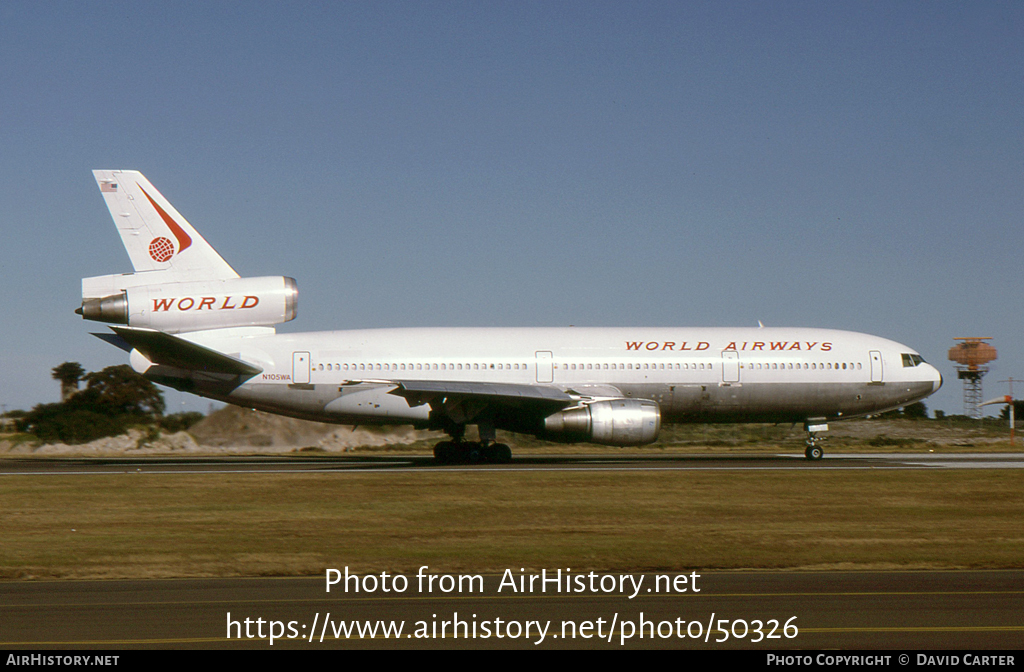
[[118, 390], [68, 373], [914, 411], [113, 400], [58, 422], [1018, 411]]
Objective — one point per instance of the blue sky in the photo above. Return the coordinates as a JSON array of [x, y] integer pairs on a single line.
[[852, 165]]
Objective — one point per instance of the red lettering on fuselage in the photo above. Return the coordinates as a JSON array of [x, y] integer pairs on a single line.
[[684, 346], [187, 303]]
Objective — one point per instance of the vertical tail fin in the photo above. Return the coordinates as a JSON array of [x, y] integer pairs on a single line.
[[155, 235]]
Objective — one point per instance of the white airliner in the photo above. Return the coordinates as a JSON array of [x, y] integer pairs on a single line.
[[191, 323]]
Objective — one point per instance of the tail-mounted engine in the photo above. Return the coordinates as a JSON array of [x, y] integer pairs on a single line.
[[176, 307], [614, 422]]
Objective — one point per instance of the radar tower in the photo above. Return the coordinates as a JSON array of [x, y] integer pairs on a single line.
[[971, 356]]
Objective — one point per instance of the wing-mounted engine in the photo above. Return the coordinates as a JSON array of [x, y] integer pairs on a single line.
[[611, 422], [142, 300]]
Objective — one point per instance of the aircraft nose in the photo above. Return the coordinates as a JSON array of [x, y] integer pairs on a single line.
[[937, 380]]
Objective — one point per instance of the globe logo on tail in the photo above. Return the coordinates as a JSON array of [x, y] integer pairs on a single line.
[[161, 249]]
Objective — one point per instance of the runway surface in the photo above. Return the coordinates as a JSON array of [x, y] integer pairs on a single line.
[[363, 463], [961, 610]]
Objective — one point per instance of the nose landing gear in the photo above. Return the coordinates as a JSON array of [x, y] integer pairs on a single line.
[[813, 450]]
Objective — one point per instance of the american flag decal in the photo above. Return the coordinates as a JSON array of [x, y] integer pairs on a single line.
[[108, 187]]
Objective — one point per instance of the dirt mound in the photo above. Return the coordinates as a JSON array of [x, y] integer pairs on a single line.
[[136, 441], [233, 426]]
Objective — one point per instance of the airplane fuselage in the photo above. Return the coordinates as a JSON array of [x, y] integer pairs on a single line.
[[695, 375]]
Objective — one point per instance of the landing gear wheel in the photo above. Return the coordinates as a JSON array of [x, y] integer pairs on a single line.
[[497, 453], [814, 453], [445, 452]]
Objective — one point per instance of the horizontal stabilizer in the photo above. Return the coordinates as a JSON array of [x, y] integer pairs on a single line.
[[169, 350], [114, 340]]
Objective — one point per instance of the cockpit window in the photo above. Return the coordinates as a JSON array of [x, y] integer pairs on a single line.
[[911, 360]]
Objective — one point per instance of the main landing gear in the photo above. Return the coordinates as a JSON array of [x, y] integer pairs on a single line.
[[460, 451], [813, 450], [468, 452]]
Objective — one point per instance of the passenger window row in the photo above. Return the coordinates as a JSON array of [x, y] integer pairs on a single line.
[[418, 367], [813, 366], [634, 367], [677, 366]]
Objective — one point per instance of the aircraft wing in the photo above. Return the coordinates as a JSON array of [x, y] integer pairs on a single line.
[[462, 402], [168, 350], [426, 391]]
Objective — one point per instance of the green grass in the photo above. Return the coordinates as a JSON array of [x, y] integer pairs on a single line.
[[149, 525]]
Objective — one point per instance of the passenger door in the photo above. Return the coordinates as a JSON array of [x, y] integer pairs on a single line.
[[730, 366], [545, 367], [300, 368], [876, 366]]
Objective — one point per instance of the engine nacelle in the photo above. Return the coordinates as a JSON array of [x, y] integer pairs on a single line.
[[176, 307], [614, 422]]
